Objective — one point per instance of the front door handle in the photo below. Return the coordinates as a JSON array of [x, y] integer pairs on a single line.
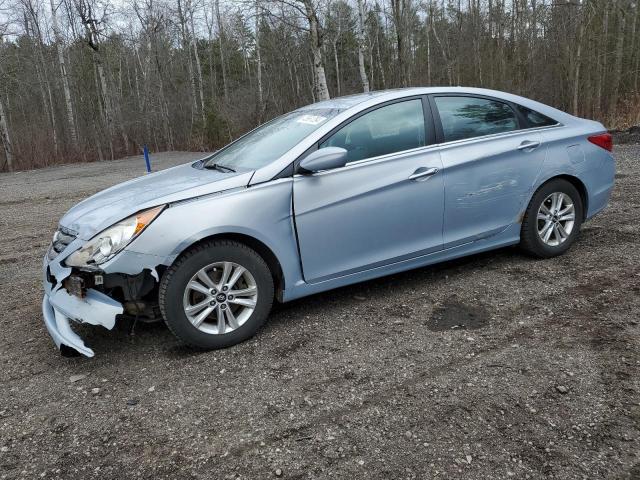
[[528, 145], [423, 172]]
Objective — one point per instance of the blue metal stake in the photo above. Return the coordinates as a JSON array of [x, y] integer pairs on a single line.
[[146, 158]]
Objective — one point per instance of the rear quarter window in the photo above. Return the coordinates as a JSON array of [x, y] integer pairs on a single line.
[[535, 119]]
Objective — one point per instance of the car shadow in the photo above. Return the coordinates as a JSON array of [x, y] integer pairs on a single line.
[[382, 286], [156, 338]]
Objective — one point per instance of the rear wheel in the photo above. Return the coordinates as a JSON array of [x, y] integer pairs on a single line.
[[216, 295], [552, 220]]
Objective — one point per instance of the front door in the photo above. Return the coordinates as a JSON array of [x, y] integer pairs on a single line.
[[384, 206]]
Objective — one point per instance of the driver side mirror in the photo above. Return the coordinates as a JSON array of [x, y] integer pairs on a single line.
[[324, 159]]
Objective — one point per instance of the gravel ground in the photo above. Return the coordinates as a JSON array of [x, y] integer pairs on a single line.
[[370, 381]]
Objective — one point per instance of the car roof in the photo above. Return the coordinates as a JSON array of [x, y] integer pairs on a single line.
[[351, 101], [345, 102]]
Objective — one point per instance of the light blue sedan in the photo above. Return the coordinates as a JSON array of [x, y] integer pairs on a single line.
[[331, 194]]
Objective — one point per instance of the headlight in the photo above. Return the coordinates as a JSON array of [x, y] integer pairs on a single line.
[[108, 243]]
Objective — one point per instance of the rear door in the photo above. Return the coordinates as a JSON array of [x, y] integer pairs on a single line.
[[490, 161], [384, 206]]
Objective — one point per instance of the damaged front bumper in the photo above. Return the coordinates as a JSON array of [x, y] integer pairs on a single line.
[[59, 308], [133, 274]]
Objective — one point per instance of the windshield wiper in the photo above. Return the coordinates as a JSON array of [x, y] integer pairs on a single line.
[[217, 166]]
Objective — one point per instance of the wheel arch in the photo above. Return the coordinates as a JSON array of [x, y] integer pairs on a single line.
[[260, 247], [578, 184]]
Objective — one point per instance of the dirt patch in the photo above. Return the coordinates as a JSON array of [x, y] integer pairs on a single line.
[[453, 315]]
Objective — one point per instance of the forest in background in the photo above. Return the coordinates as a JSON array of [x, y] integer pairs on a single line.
[[84, 80]]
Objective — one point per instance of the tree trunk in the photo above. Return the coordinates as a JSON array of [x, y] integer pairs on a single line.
[[145, 95], [322, 91], [399, 8], [632, 43], [73, 132], [105, 99], [478, 41], [636, 65], [335, 53], [444, 53], [602, 62], [337, 64], [501, 50], [428, 35], [47, 102], [5, 138], [164, 107], [194, 45], [220, 41], [105, 103], [578, 61], [363, 73], [371, 64], [380, 65], [44, 81], [259, 62], [617, 67], [186, 46]]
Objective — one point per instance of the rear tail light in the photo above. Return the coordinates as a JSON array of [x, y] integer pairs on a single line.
[[603, 140]]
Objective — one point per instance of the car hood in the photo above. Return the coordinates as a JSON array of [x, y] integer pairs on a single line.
[[109, 206]]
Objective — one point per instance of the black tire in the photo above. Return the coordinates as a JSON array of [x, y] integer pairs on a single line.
[[530, 240], [175, 280]]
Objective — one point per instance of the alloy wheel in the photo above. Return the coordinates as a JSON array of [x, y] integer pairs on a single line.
[[220, 297], [556, 219]]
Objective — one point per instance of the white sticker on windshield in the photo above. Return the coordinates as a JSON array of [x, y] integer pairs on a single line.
[[311, 119]]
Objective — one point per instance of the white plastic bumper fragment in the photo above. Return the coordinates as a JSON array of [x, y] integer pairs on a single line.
[[59, 307]]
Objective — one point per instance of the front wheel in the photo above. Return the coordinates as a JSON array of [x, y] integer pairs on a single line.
[[552, 220], [216, 295]]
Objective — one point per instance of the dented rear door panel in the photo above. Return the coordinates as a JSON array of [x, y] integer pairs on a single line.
[[488, 181]]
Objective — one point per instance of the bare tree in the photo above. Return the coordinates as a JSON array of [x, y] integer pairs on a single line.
[[308, 9], [88, 15], [363, 73], [196, 55], [259, 60], [621, 12], [581, 16], [401, 10], [6, 139], [221, 48], [315, 29], [62, 64], [336, 39], [32, 13], [186, 43]]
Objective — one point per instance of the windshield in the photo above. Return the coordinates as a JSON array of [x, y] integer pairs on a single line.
[[271, 140]]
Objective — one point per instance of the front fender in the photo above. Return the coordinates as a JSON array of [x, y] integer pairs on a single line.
[[262, 212]]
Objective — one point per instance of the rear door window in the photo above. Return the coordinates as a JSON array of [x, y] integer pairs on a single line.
[[469, 117]]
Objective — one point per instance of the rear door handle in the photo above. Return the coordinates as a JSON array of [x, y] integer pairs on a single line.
[[423, 172], [528, 145]]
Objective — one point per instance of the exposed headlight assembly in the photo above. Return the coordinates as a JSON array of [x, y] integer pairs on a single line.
[[108, 243]]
